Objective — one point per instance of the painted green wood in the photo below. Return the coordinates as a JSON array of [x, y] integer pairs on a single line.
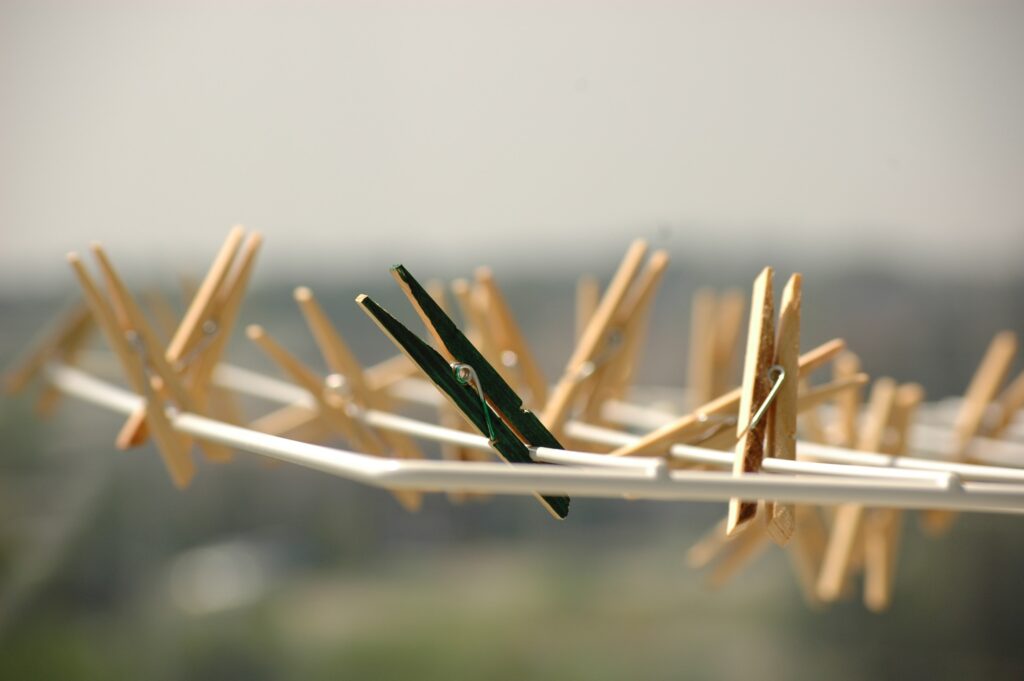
[[499, 393], [465, 397]]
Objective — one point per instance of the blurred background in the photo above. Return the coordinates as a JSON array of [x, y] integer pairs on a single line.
[[875, 147]]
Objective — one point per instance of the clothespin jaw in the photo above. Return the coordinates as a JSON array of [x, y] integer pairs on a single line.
[[755, 389], [491, 405]]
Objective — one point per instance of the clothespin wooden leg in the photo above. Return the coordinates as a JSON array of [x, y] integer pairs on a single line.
[[701, 365], [755, 389], [984, 387], [783, 412], [52, 342]]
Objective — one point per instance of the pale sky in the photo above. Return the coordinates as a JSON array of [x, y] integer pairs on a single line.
[[357, 134]]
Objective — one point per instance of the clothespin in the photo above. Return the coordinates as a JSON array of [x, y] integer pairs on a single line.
[[513, 350], [845, 534], [448, 415], [693, 424], [1010, 402], [715, 323], [136, 361], [849, 403], [62, 340], [133, 323], [201, 319], [462, 374], [588, 295], [342, 361], [782, 415], [612, 378], [882, 526], [754, 393], [597, 339], [332, 407], [982, 390]]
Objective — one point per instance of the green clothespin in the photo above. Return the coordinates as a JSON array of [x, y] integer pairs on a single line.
[[491, 405]]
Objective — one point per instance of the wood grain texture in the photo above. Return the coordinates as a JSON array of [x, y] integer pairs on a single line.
[[781, 438], [754, 391]]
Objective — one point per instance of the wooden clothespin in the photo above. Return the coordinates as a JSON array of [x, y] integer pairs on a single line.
[[133, 324], [693, 424], [332, 407], [754, 393], [588, 295], [611, 380], [173, 446], [597, 339], [782, 415], [882, 527], [513, 350], [844, 430], [342, 362], [62, 341], [715, 323], [981, 392], [201, 320], [845, 535], [462, 374], [1009, 403]]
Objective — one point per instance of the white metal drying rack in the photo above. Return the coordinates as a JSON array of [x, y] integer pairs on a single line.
[[822, 475]]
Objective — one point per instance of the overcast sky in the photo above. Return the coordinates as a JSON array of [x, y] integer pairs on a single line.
[[365, 133]]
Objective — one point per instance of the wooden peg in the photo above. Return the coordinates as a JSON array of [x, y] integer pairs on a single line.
[[170, 443], [846, 527], [480, 330], [341, 360], [224, 311], [594, 339], [806, 551], [611, 380], [848, 404], [781, 438], [755, 389], [749, 544], [837, 389], [693, 424], [386, 373], [511, 338], [588, 294], [1010, 402], [190, 329], [981, 391], [701, 363], [48, 345], [330, 405], [709, 546], [134, 321], [68, 353], [882, 527], [728, 324]]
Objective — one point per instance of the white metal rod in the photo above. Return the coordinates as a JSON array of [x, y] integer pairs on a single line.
[[506, 478]]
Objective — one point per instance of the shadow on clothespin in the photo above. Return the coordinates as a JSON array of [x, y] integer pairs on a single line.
[[332, 406], [464, 376], [132, 341], [61, 341], [970, 419], [202, 335]]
